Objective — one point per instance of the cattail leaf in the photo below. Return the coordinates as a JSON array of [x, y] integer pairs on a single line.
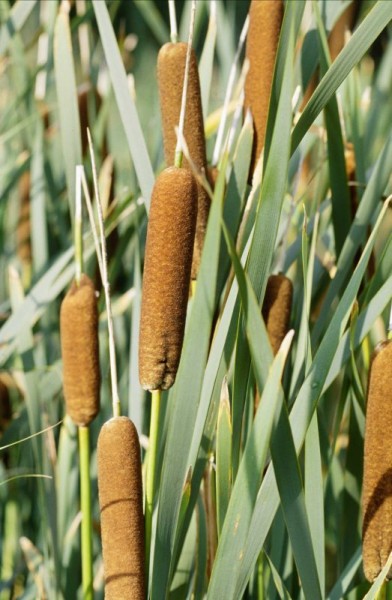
[[286, 467], [314, 496], [343, 583], [362, 38], [279, 585], [341, 211], [358, 231], [235, 528], [304, 406], [201, 566], [18, 16], [67, 100], [223, 457], [126, 106], [207, 63]]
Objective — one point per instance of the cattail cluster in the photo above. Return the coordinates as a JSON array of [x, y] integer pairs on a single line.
[[80, 351], [171, 70], [166, 279], [121, 505], [377, 476], [265, 21]]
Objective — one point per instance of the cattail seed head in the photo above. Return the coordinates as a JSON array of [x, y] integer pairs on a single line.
[[121, 505], [167, 268], [377, 476], [265, 21], [80, 351], [23, 231], [277, 308], [171, 71]]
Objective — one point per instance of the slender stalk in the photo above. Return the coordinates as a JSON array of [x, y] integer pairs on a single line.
[[83, 432], [179, 152], [390, 325], [151, 469], [173, 22], [85, 500], [78, 234], [105, 282]]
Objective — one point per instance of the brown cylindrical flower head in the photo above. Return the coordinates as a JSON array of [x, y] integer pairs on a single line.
[[121, 505], [377, 476], [80, 351], [277, 308], [171, 71], [166, 279], [265, 21], [23, 231]]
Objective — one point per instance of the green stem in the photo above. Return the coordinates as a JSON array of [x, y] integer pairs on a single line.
[[85, 500], [78, 239], [151, 469], [178, 159]]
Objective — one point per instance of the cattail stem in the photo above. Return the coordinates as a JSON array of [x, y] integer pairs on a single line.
[[78, 234], [85, 501], [179, 153], [173, 22], [151, 469], [106, 287]]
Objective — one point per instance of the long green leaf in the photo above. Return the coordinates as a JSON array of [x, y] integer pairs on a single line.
[[67, 99], [363, 37], [126, 106]]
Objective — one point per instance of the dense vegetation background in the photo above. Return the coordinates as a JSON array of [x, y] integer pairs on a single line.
[[290, 481]]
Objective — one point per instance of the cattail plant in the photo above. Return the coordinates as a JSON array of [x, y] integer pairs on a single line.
[[118, 462], [265, 20], [79, 349], [171, 69], [166, 277], [277, 308], [121, 502], [377, 476]]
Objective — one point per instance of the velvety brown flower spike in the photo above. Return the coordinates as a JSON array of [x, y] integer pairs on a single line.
[[171, 69], [166, 278], [377, 476], [80, 351], [121, 504]]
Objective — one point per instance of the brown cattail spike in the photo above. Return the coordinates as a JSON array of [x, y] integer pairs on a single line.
[[377, 476], [23, 231], [121, 504], [80, 352], [167, 268], [276, 308], [171, 71], [265, 21]]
